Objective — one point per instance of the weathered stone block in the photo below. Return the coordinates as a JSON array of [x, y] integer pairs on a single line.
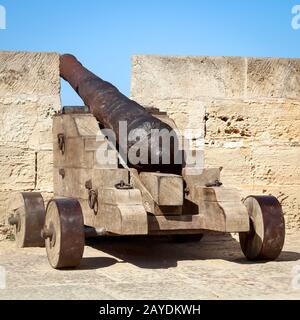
[[159, 77], [264, 122], [44, 174], [4, 198], [235, 162], [273, 78], [288, 196], [277, 165], [27, 122], [29, 73], [29, 96], [18, 118], [17, 169]]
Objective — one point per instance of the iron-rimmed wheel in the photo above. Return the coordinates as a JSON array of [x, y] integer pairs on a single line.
[[64, 233], [27, 216], [265, 239]]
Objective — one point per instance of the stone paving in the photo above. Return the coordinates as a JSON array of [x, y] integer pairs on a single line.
[[144, 268]]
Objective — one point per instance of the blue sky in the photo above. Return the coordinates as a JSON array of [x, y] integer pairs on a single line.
[[103, 34]]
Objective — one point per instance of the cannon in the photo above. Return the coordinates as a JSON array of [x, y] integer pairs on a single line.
[[110, 107], [99, 192]]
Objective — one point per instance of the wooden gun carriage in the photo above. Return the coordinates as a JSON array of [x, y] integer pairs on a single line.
[[93, 198]]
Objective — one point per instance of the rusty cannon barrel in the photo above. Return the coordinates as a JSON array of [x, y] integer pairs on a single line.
[[144, 132]]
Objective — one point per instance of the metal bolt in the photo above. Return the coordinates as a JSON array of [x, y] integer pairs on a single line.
[[14, 220], [123, 186], [46, 233], [61, 142], [49, 233], [187, 191], [88, 184], [62, 173], [216, 183]]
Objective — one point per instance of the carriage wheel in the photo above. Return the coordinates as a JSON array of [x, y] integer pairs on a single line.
[[265, 239], [64, 233], [28, 217]]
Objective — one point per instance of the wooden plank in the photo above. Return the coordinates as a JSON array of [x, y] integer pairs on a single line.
[[108, 178], [74, 155], [183, 222], [105, 159], [73, 183], [196, 176], [69, 126], [166, 189], [224, 216], [216, 194], [87, 125], [122, 219], [95, 143], [120, 197]]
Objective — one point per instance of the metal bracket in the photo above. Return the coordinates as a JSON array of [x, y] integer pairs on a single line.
[[92, 196], [61, 142], [62, 173], [216, 183], [123, 186]]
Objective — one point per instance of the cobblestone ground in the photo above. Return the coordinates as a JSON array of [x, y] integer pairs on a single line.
[[143, 268]]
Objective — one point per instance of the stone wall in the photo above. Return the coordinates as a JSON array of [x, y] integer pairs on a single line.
[[248, 109], [29, 95]]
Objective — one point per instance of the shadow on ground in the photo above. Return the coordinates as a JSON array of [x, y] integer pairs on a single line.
[[90, 263], [162, 252]]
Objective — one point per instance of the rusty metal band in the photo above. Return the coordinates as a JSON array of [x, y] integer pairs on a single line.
[[274, 226]]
